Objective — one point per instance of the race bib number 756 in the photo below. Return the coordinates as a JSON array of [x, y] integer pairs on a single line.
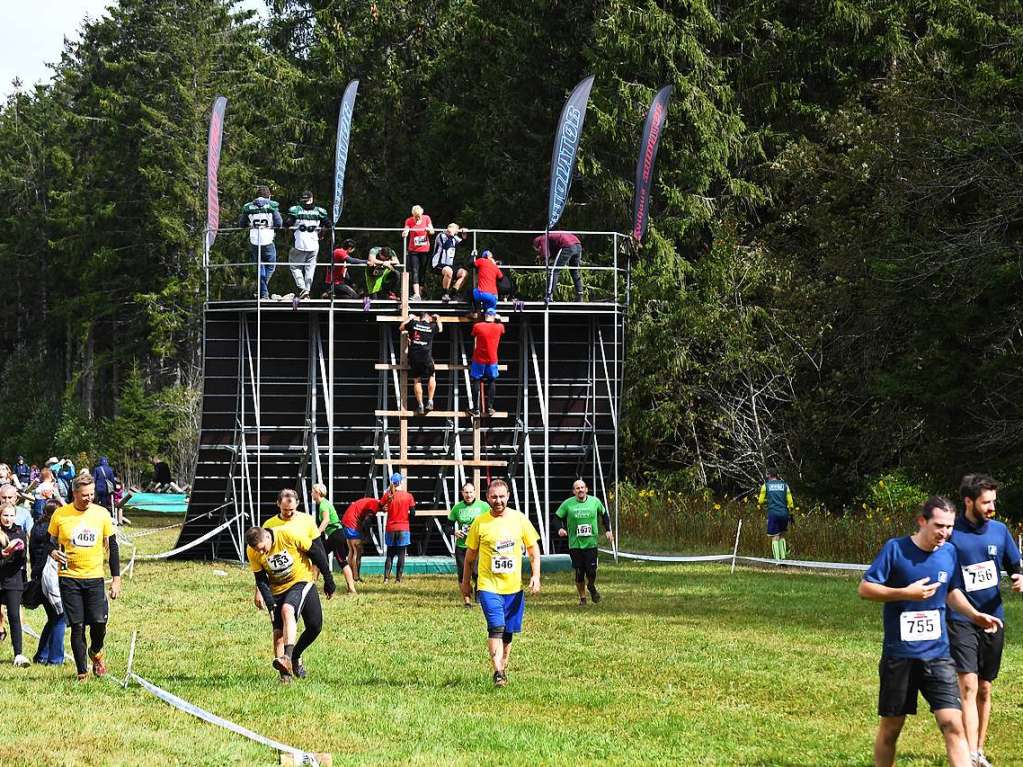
[[920, 626], [980, 576]]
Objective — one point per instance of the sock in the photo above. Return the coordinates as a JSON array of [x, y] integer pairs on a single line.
[[288, 650], [776, 549], [784, 546]]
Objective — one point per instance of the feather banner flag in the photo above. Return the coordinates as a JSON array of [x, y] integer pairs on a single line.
[[652, 130]]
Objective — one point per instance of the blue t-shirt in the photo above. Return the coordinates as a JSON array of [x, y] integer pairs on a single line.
[[983, 551], [915, 628]]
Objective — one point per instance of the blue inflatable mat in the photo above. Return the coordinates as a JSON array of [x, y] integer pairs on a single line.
[[162, 503]]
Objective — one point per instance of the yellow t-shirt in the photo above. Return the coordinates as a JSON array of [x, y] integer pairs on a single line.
[[82, 536], [287, 562], [301, 521], [501, 542]]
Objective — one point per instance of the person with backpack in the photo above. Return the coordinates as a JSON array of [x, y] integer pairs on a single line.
[[105, 478]]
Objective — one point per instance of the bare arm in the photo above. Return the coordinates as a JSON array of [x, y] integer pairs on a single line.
[[916, 591], [471, 555], [958, 602], [534, 566]]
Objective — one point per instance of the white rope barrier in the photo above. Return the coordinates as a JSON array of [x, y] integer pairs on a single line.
[[300, 756], [732, 557], [202, 539]]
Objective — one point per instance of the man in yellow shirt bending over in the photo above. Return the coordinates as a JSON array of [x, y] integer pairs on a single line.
[[497, 539]]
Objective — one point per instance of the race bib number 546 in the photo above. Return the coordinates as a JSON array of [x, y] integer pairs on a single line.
[[502, 565], [920, 626]]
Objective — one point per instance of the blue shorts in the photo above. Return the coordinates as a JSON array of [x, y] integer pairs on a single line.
[[486, 300], [478, 370], [352, 534], [398, 538], [777, 525], [503, 610]]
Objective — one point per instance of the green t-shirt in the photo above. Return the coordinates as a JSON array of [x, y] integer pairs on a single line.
[[463, 514], [581, 521], [334, 523]]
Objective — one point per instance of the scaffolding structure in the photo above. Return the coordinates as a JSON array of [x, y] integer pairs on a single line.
[[319, 394]]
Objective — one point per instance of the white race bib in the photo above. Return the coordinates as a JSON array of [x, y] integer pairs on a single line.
[[980, 576], [84, 537], [920, 625], [420, 239], [280, 564], [502, 565], [584, 531]]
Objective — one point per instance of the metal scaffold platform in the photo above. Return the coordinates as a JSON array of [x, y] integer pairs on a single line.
[[320, 393]]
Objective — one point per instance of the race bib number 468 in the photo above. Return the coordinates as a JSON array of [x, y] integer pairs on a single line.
[[982, 575], [84, 537], [920, 626]]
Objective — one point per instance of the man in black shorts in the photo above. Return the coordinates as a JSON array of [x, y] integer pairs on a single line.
[[914, 577], [421, 331]]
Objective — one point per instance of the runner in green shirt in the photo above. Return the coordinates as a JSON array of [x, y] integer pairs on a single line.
[[579, 517], [462, 514], [331, 532]]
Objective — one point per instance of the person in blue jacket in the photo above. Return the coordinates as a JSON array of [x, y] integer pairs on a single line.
[[985, 547], [914, 577], [776, 494]]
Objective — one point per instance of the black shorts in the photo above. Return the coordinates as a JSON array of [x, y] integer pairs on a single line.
[[85, 600], [584, 560], [296, 597], [974, 651], [420, 365], [460, 564], [903, 678], [337, 544]]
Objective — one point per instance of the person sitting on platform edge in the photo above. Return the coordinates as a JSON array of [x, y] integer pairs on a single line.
[[487, 275], [568, 252], [421, 329], [443, 261], [381, 273], [307, 220], [484, 359], [262, 216], [339, 278]]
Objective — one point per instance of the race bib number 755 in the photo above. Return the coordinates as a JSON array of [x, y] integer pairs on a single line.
[[920, 626]]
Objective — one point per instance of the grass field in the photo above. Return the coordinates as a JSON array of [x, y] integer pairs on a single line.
[[678, 665]]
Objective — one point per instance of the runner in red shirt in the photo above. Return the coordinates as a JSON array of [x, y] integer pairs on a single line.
[[418, 231], [351, 522], [487, 275], [484, 358], [400, 507]]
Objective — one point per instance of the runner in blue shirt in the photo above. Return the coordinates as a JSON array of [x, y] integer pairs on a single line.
[[776, 493], [984, 546], [914, 577]]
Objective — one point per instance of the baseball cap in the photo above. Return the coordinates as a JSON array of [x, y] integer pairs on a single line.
[[396, 478]]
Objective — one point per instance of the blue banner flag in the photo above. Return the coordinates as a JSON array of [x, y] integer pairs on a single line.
[[213, 169], [344, 134], [652, 130], [566, 143]]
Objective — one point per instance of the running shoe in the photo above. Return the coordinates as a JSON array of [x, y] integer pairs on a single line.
[[285, 679], [500, 679], [982, 761], [303, 295], [582, 600], [420, 410], [415, 297], [594, 594], [468, 603], [21, 661], [393, 296], [283, 664], [99, 668], [429, 405], [446, 298], [474, 411], [300, 670], [491, 410], [83, 677]]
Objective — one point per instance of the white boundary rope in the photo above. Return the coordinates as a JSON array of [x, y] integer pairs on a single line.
[[202, 539], [733, 557], [301, 757]]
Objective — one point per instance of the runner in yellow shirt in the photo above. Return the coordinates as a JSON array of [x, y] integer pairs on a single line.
[[81, 532], [281, 559], [497, 539]]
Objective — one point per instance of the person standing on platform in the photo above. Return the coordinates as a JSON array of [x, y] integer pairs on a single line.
[[329, 530], [307, 220], [985, 546], [80, 532], [496, 542], [915, 576], [484, 365], [262, 216], [463, 514], [568, 251], [776, 493], [353, 521], [400, 507], [443, 261], [580, 518], [421, 330], [484, 295], [282, 560], [418, 231]]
